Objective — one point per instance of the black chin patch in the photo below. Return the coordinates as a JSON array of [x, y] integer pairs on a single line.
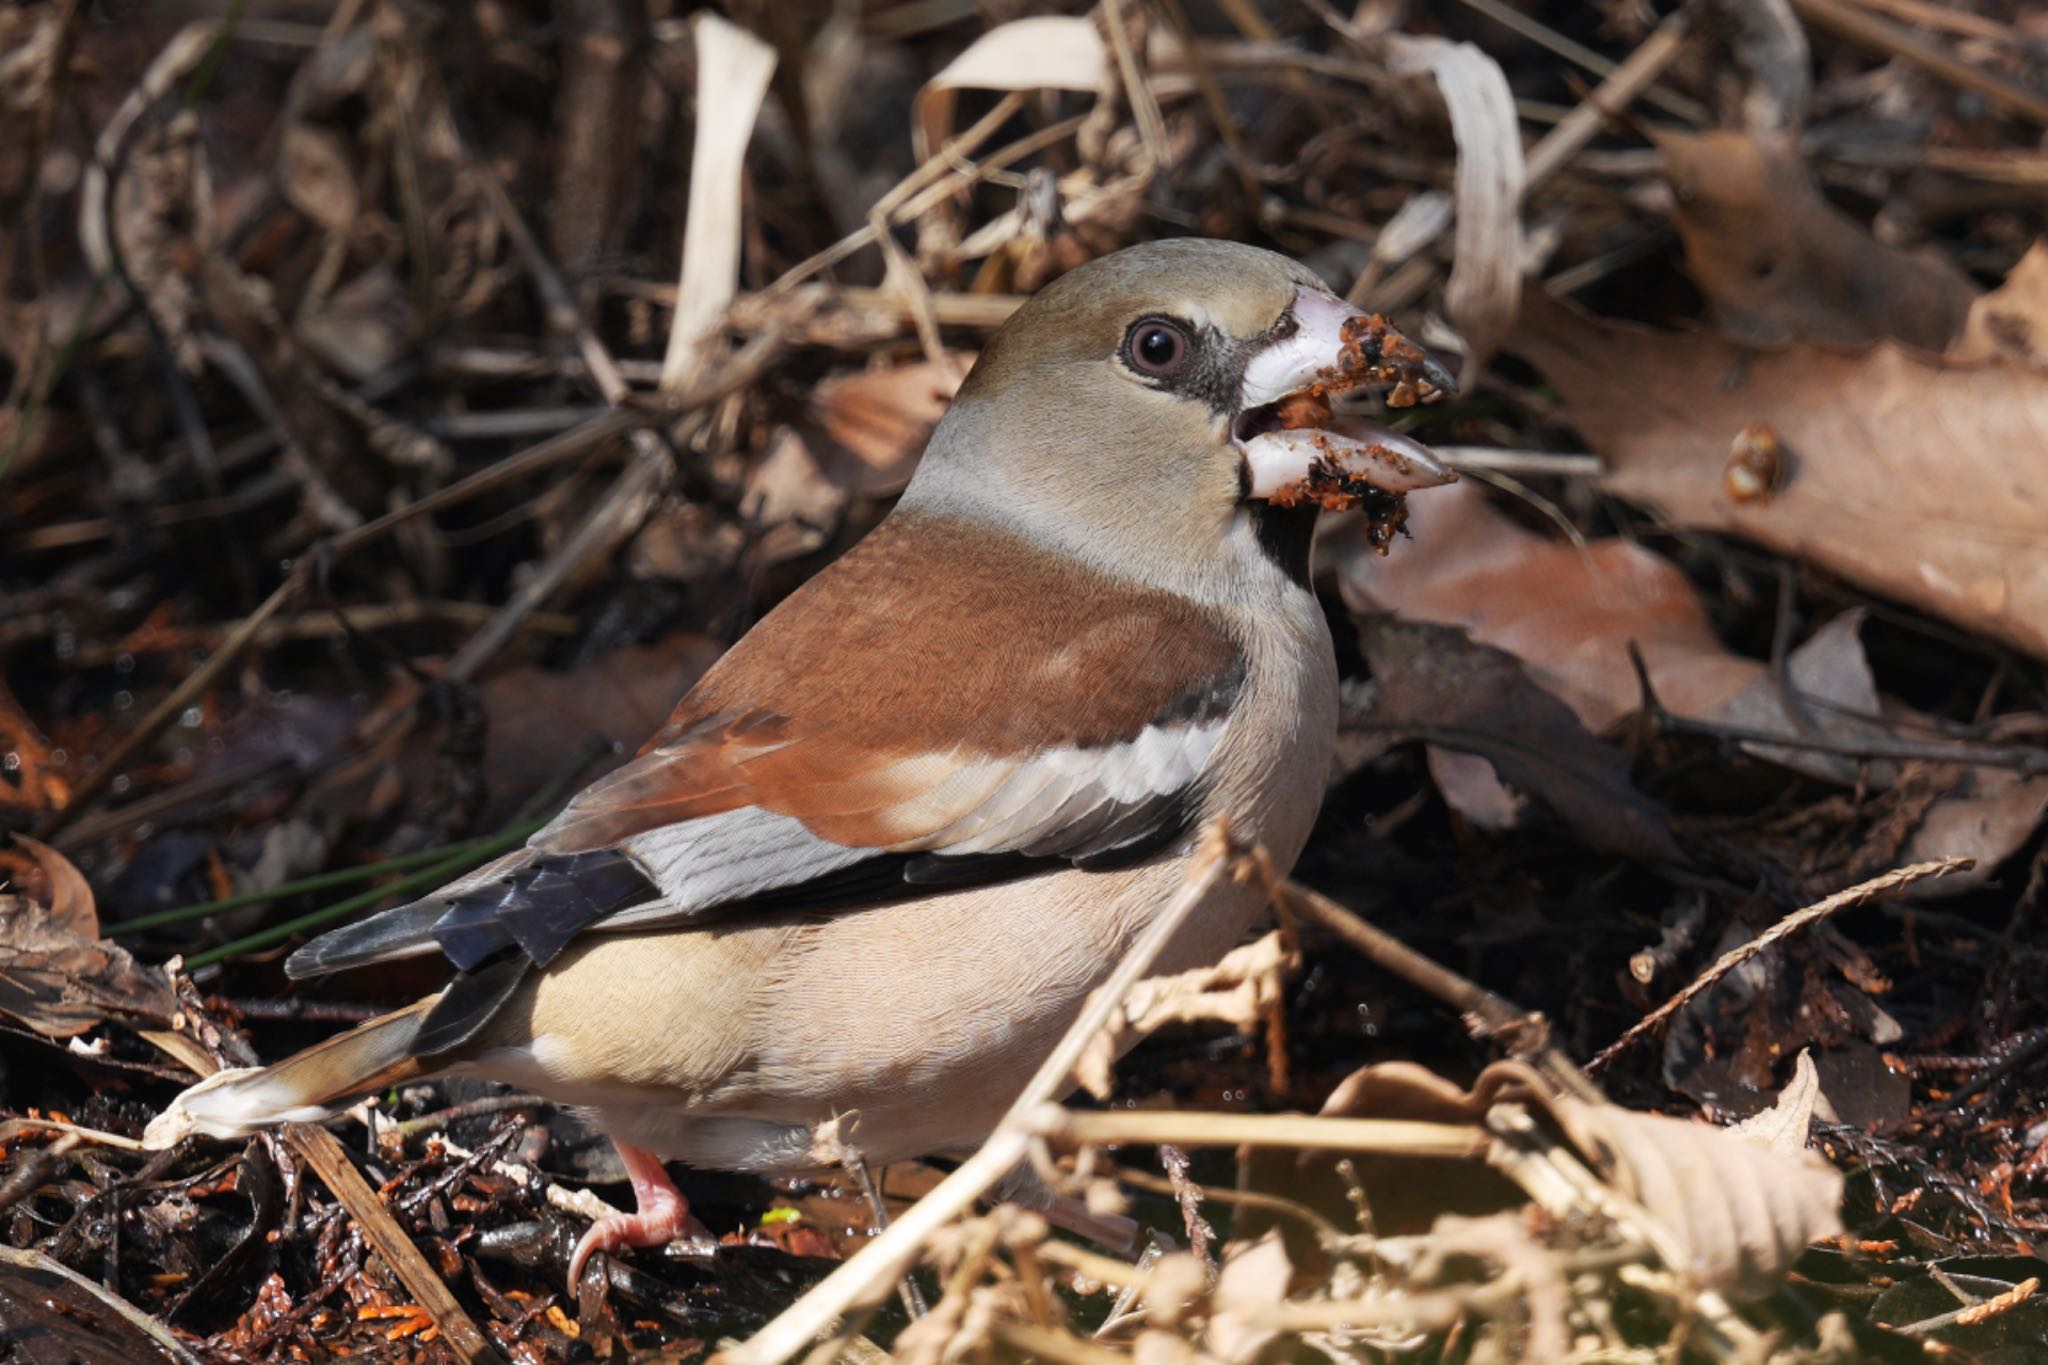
[[1286, 534]]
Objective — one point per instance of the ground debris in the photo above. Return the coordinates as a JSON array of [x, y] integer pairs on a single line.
[[362, 496]]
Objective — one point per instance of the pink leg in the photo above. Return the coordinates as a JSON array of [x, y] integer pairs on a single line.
[[661, 1217]]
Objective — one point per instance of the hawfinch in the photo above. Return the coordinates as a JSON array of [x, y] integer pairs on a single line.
[[936, 792]]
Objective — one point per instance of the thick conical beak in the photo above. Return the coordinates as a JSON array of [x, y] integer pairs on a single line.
[[1296, 447]]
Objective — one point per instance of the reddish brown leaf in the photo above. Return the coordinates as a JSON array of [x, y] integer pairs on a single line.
[[1915, 477], [1778, 262]]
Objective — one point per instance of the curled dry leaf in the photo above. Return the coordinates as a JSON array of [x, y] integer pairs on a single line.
[[874, 424], [541, 722], [1568, 613], [1255, 1275], [2011, 322], [1741, 1211], [317, 175], [1484, 290], [1777, 262], [56, 975], [69, 897], [1435, 683], [861, 435], [1784, 1126], [1046, 52], [733, 68], [1243, 990], [1915, 477]]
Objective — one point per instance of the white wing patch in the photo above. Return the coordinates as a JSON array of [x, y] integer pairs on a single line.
[[728, 857], [1058, 786]]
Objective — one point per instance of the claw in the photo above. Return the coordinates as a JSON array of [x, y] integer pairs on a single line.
[[662, 1214]]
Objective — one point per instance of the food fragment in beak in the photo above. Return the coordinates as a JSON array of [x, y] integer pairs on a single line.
[[1299, 450], [1374, 353]]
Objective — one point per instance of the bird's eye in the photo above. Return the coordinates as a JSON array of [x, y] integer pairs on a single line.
[[1156, 347]]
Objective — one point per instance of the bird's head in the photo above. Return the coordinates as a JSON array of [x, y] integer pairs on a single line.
[[1155, 400]]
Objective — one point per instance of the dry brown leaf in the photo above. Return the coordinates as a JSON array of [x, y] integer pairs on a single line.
[[1435, 683], [317, 175], [2011, 322], [1987, 815], [1740, 1211], [69, 895], [541, 722], [1255, 1275], [1242, 990], [874, 423], [861, 435], [1783, 1127], [1045, 52], [1777, 262], [56, 974], [1569, 614], [1915, 477], [362, 328]]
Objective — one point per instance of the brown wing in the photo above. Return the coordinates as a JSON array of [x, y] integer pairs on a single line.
[[882, 715]]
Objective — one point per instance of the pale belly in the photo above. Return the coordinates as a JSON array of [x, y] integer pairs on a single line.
[[767, 1031]]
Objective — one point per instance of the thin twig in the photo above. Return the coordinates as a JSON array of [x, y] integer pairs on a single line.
[[1882, 35], [1623, 84], [1487, 1014], [1855, 895]]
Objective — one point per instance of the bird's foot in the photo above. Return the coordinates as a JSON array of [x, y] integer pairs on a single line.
[[662, 1215]]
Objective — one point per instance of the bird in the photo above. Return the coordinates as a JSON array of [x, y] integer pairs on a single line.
[[877, 858]]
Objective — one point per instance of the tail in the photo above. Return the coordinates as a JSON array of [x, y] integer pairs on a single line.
[[299, 1089]]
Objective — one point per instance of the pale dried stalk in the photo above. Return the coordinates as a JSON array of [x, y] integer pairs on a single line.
[[1637, 72], [1389, 1137], [733, 67]]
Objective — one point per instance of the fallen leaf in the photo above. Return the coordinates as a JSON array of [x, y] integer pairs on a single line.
[[1243, 989], [869, 428], [1987, 815], [1435, 683], [57, 975], [1784, 1126], [541, 721], [1740, 1211], [69, 895], [1255, 1275], [1912, 476], [1045, 52], [1568, 614], [362, 328], [1777, 262], [1834, 697], [2011, 322], [317, 176], [733, 70]]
